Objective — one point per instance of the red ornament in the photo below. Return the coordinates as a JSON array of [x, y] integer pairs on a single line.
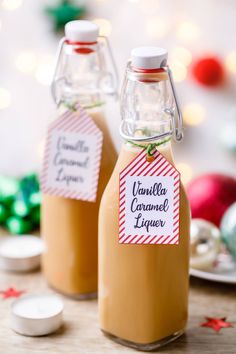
[[11, 292], [216, 323], [208, 71], [210, 195]]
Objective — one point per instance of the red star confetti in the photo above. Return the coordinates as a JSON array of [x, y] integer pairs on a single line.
[[11, 292], [216, 323]]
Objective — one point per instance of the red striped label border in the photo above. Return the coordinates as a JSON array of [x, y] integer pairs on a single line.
[[73, 122], [139, 166]]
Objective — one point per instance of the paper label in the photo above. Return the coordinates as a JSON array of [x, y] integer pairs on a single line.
[[72, 157], [149, 201]]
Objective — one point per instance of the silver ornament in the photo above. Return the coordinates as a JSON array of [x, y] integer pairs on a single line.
[[228, 229], [228, 131], [204, 244]]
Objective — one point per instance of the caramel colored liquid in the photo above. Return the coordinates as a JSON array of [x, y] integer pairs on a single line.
[[143, 289], [69, 229]]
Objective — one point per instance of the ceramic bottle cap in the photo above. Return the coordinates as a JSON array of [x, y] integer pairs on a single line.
[[149, 57], [81, 31]]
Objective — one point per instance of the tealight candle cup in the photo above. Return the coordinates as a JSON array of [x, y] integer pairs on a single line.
[[20, 253], [37, 315]]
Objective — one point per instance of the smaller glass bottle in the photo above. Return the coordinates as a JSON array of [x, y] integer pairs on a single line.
[[69, 226], [143, 288]]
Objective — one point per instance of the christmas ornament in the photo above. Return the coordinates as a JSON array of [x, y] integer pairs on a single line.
[[216, 323], [11, 292], [228, 136], [35, 198], [20, 201], [9, 186], [208, 71], [204, 244], [64, 12], [210, 195], [18, 225], [20, 208], [228, 229], [35, 215], [3, 213]]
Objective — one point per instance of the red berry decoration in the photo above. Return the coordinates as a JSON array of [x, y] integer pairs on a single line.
[[210, 195], [208, 71]]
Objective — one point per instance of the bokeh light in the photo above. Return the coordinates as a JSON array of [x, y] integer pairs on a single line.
[[44, 70], [181, 55], [194, 114], [11, 4], [230, 62], [179, 71], [185, 171], [26, 61], [149, 7], [5, 98], [157, 27], [187, 31], [104, 26]]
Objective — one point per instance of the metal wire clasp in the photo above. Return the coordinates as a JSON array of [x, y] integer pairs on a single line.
[[176, 115], [56, 99], [113, 63]]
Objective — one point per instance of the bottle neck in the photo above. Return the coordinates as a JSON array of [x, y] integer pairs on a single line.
[[149, 105], [146, 96], [80, 74]]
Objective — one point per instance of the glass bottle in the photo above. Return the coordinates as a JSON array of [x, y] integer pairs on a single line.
[[69, 226], [143, 289]]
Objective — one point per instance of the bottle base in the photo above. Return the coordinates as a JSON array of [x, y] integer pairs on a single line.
[[89, 296], [81, 297], [145, 347]]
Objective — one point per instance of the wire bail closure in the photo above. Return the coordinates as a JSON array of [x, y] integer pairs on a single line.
[[56, 79], [174, 113], [177, 123]]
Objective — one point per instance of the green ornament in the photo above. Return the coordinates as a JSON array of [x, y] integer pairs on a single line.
[[28, 185], [18, 225], [20, 208], [9, 186], [3, 213], [228, 229], [20, 201], [35, 199], [64, 12], [35, 216]]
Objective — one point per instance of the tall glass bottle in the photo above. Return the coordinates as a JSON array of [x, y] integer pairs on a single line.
[[69, 226], [143, 289]]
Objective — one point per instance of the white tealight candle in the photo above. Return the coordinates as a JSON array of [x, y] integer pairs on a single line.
[[36, 315], [20, 253]]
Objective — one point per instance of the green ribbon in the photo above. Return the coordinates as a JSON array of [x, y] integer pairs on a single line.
[[149, 147], [72, 106]]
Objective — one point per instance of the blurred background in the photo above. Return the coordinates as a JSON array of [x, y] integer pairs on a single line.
[[202, 54]]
